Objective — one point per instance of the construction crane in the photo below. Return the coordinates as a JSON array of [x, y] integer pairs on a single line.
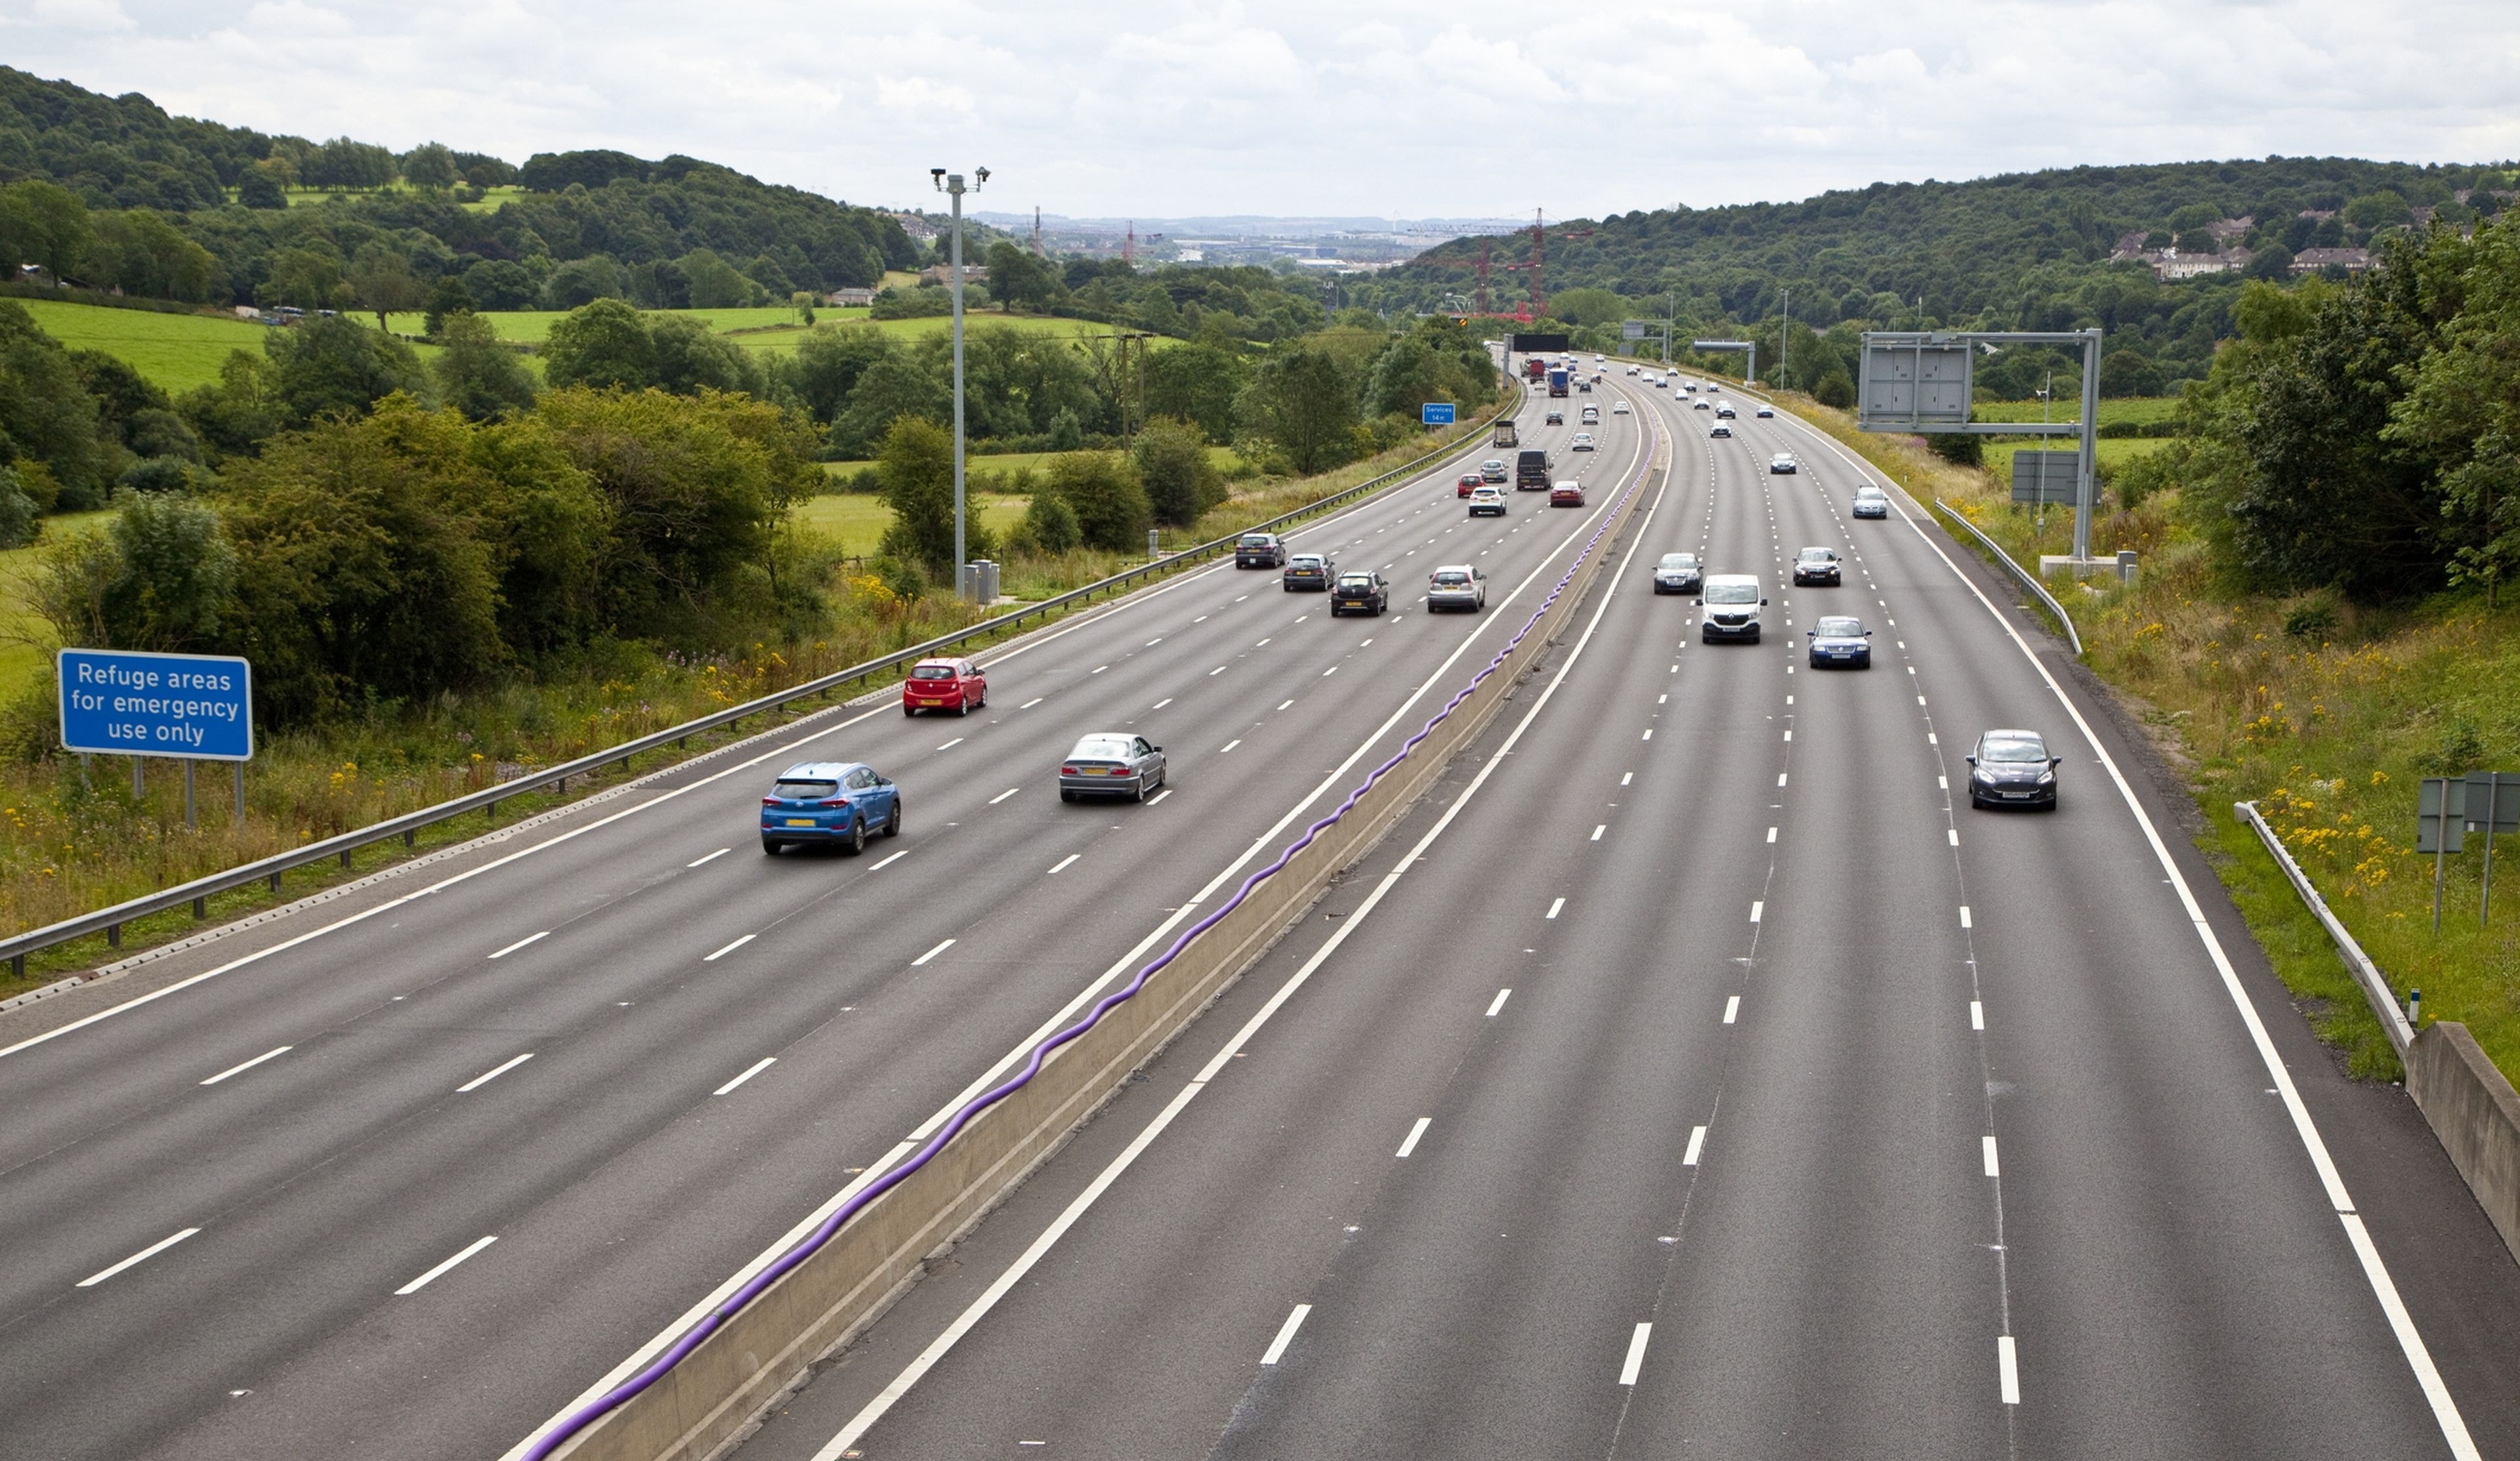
[[1538, 303]]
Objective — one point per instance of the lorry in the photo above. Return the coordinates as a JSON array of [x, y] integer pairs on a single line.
[[1534, 367], [1531, 471], [1557, 381], [1504, 436]]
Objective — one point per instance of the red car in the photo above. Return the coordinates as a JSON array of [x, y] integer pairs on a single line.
[[1566, 495], [1469, 484], [954, 685]]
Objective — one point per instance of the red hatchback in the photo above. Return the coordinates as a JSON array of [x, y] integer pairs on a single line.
[[954, 685], [1469, 484]]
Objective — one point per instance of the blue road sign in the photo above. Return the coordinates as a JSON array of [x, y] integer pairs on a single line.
[[129, 703], [1435, 414]]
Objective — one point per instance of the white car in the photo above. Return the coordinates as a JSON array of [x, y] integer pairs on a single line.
[[1618, 408], [1456, 586], [1632, 370], [1725, 413], [1487, 501], [1583, 442], [1871, 502], [1783, 464], [1722, 433], [1764, 410]]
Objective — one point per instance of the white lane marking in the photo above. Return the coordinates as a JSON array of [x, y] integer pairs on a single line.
[[2007, 1370], [1598, 831], [1408, 1143], [239, 1070], [1063, 862], [1789, 736], [1780, 778], [1219, 670], [1029, 704], [1160, 796], [1332, 670], [1098, 669], [493, 1072], [1662, 699], [1498, 1003], [1157, 639], [1732, 1009], [425, 1280], [1367, 642], [1977, 1014], [1955, 835], [1648, 736], [1201, 619], [730, 948], [1285, 1335], [1003, 795], [756, 1068], [931, 954], [1921, 699], [1554, 908], [1160, 704], [1300, 618], [1635, 1359], [142, 1256], [1697, 1146], [1932, 740], [1625, 777], [1285, 703], [1231, 744], [1987, 1144], [1757, 907], [888, 862], [951, 744], [1772, 835], [1965, 915], [711, 858]]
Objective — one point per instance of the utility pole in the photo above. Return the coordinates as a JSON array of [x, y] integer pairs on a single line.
[[1782, 331], [952, 185]]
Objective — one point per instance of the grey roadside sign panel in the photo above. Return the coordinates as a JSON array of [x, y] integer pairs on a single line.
[[1914, 383], [2046, 476], [1632, 329], [2491, 797], [123, 702], [2435, 823]]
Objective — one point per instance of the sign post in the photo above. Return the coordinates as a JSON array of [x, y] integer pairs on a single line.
[[2498, 812], [189, 707], [2441, 827]]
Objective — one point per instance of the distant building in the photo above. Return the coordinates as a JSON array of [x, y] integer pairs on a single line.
[[2351, 260], [943, 274], [2321, 214], [850, 298], [2130, 245], [2170, 263], [917, 225], [2229, 231]]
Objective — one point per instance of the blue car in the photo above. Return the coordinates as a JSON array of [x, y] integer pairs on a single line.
[[842, 802], [1842, 642]]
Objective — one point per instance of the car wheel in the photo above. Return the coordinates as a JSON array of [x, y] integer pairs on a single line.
[[1140, 795], [770, 847], [1066, 795], [857, 835], [893, 822], [910, 712]]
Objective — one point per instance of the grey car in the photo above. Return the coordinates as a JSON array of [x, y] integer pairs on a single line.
[[1677, 573], [2012, 768], [1871, 502], [1111, 763], [1456, 586]]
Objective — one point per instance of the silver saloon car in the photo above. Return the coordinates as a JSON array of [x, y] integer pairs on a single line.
[[1111, 763]]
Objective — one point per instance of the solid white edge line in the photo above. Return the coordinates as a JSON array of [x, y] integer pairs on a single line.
[[1697, 1146], [730, 948], [756, 1068], [874, 1409], [931, 954], [1408, 1143], [239, 1070], [1635, 1360], [1498, 1003], [534, 938], [1286, 1335], [2007, 1370], [142, 1256], [2410, 1343], [424, 1280], [494, 1073]]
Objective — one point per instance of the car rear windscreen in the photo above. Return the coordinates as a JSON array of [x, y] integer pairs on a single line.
[[1453, 580], [805, 791], [932, 672], [1731, 593]]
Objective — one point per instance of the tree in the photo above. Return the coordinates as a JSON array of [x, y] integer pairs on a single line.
[[917, 468], [1301, 402], [2128, 373], [46, 415], [898, 384], [1019, 276], [18, 518], [1836, 388], [338, 367], [1050, 523], [1405, 376], [2273, 263], [2383, 208], [139, 252], [46, 224], [258, 189], [1171, 461], [1197, 383], [1102, 489], [500, 285], [446, 296], [1588, 306], [691, 357], [583, 282], [431, 164], [824, 367], [178, 578], [2464, 411], [476, 375], [714, 283], [601, 344], [306, 278], [233, 417], [381, 278]]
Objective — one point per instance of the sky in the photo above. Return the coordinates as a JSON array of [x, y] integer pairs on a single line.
[[1445, 108]]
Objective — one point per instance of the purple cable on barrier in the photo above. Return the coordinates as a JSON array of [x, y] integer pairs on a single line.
[[813, 1242]]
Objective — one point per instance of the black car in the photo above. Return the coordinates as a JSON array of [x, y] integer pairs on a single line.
[[1308, 572], [1677, 573], [1360, 591], [1260, 550], [2012, 768], [1817, 565]]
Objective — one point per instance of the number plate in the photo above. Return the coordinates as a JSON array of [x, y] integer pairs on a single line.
[[800, 822]]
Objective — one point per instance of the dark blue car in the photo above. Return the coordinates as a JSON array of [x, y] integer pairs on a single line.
[[842, 802], [1841, 642]]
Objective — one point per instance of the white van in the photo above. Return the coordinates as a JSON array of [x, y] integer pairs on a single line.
[[1732, 604]]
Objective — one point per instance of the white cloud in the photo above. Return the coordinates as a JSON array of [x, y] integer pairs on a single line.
[[1410, 107]]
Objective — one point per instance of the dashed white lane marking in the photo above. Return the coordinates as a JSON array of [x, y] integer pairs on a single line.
[[1157, 639], [1063, 862], [1160, 796], [1408, 1143], [1219, 670], [1263, 643], [1789, 736], [1954, 834], [1098, 669], [711, 858], [1029, 704], [239, 1070], [730, 948], [1498, 1003], [951, 744], [531, 938], [1554, 908], [931, 954], [1757, 907], [1625, 777], [1285, 1334], [1648, 736], [1697, 1146], [756, 1068], [1598, 831], [888, 862], [1987, 1144], [1635, 1360], [1732, 1009], [1003, 795], [142, 1256], [1283, 704], [1230, 745], [493, 1072], [1965, 915], [2007, 1370], [434, 1274], [1921, 699], [1160, 704], [1780, 778], [1332, 670], [1772, 835], [1977, 1014], [1932, 740]]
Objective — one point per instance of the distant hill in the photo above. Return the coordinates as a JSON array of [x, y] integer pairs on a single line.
[[2021, 251]]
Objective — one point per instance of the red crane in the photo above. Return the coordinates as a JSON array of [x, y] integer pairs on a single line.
[[1538, 304]]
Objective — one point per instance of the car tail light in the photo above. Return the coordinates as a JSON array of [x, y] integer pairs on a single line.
[[772, 801], [1069, 770]]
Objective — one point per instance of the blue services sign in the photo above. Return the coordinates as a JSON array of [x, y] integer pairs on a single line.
[[1435, 414], [129, 703]]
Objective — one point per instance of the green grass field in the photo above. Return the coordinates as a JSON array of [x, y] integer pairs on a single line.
[[1223, 457], [858, 520], [2114, 451], [176, 351], [2143, 408], [20, 660], [772, 327]]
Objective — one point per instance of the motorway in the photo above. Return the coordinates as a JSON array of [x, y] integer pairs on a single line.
[[437, 1155], [1688, 1073]]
